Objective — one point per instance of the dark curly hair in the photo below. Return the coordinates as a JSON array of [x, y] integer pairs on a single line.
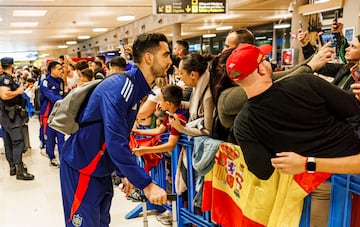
[[219, 80]]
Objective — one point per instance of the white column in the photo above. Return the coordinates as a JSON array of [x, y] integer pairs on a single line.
[[176, 32], [351, 15], [295, 25]]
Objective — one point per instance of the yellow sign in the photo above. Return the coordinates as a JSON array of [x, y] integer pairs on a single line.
[[190, 6], [168, 9]]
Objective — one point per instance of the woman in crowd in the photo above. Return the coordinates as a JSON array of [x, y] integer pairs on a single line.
[[193, 70]]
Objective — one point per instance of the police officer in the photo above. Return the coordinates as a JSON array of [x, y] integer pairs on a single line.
[[51, 90], [12, 117]]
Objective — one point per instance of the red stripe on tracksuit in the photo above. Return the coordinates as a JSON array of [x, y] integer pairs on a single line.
[[84, 179], [44, 117]]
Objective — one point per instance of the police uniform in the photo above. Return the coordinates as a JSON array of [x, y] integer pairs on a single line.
[[86, 166], [12, 118], [51, 90]]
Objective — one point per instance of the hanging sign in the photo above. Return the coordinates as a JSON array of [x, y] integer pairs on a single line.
[[190, 6]]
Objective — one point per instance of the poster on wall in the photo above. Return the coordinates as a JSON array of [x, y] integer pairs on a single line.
[[349, 33], [287, 57]]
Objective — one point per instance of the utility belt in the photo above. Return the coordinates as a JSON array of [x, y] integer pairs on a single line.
[[14, 110]]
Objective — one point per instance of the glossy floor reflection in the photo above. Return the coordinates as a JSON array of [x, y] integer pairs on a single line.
[[38, 202]]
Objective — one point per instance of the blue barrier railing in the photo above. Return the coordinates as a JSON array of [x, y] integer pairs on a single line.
[[343, 187]]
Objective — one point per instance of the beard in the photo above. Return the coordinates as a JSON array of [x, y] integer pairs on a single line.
[[158, 70]]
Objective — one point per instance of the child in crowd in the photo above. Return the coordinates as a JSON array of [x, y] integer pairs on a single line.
[[85, 76], [170, 100]]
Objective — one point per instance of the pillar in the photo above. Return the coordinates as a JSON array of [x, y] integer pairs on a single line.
[[176, 33]]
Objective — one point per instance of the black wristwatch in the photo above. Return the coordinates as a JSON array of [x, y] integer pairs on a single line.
[[310, 164]]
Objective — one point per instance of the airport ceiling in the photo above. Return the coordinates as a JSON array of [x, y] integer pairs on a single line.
[[65, 20]]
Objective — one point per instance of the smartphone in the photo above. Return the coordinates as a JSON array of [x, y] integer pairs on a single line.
[[333, 37], [355, 72], [336, 17]]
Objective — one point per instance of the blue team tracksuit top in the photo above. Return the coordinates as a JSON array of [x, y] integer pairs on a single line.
[[113, 105]]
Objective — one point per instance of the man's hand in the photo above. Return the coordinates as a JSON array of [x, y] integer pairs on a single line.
[[139, 151], [126, 186], [356, 90], [155, 194], [20, 90], [289, 162], [321, 58], [337, 27]]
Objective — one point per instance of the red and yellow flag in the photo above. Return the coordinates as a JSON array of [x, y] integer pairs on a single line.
[[236, 197]]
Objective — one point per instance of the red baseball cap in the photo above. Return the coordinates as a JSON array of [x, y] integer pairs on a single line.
[[245, 59]]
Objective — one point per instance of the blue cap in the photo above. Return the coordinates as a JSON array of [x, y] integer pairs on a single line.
[[6, 61]]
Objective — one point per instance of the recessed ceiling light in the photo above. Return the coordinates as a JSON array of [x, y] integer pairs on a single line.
[[224, 27], [62, 46], [71, 42], [24, 24], [260, 37], [83, 37], [279, 26], [209, 35], [29, 13], [20, 31], [1, 19], [125, 18], [100, 29], [35, 0]]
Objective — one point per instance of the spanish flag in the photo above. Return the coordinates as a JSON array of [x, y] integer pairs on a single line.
[[236, 197]]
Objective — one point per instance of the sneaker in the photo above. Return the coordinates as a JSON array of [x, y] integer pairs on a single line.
[[162, 215], [166, 220], [54, 163]]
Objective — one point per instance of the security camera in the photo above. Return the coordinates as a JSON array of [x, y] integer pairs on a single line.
[[291, 7]]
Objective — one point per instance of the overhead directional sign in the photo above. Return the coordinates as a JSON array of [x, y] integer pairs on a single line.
[[190, 6]]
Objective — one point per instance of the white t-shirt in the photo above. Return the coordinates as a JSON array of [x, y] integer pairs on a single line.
[[72, 82]]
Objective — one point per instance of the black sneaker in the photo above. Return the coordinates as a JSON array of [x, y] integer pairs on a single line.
[[54, 163]]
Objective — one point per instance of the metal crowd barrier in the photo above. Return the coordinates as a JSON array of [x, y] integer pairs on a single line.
[[343, 212]]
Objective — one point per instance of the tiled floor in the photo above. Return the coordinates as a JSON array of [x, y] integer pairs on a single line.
[[38, 203]]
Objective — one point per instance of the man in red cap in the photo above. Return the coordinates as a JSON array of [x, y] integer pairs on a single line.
[[304, 114]]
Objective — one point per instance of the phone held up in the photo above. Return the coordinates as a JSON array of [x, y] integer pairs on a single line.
[[333, 37], [355, 72]]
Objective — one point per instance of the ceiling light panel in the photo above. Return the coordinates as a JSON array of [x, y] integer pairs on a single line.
[[100, 29], [24, 24], [83, 37], [35, 0], [71, 42], [125, 18], [29, 13], [20, 31]]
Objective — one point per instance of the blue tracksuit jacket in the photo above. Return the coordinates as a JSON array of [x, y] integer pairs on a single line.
[[113, 105]]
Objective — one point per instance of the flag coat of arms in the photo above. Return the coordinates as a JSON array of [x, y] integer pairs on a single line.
[[237, 198]]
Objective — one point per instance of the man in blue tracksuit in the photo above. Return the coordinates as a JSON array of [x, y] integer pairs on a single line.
[[51, 90], [102, 143]]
